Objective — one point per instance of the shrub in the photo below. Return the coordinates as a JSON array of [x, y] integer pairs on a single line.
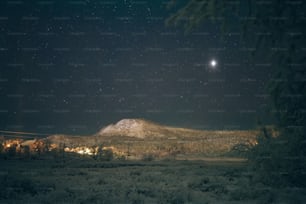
[[11, 151], [147, 157], [106, 155], [279, 161]]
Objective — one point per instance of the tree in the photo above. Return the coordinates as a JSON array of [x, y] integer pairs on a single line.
[[26, 152], [11, 151], [1, 149], [276, 27]]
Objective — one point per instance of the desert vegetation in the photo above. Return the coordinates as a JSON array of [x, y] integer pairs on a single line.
[[134, 170], [210, 168], [83, 179]]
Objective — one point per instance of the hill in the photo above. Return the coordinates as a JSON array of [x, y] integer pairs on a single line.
[[140, 128], [138, 138]]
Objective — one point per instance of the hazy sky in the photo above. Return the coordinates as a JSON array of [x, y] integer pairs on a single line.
[[75, 66]]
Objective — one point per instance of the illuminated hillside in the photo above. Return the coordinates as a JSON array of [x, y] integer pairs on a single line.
[[136, 138]]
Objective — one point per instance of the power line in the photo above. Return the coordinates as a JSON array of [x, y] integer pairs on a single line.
[[22, 133], [18, 136]]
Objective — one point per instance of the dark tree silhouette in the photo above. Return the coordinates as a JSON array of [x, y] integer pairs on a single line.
[[275, 28]]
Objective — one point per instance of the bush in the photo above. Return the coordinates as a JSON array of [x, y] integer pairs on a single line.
[[239, 150], [11, 151], [147, 157], [106, 155], [279, 161]]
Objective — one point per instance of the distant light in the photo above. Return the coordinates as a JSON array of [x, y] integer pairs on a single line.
[[213, 63]]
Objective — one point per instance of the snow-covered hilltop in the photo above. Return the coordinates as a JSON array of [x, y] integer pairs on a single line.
[[134, 128], [123, 126]]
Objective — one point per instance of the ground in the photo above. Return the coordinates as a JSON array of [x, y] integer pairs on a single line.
[[84, 180]]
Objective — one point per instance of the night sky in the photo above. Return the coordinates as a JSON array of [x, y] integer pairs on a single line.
[[76, 66]]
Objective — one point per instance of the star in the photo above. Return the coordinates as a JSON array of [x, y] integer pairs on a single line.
[[213, 63]]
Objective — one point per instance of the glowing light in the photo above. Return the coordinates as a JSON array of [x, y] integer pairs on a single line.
[[81, 150], [213, 63]]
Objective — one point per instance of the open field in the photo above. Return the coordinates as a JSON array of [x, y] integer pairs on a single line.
[[84, 180]]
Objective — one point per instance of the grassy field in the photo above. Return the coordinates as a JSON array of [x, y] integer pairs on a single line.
[[84, 180]]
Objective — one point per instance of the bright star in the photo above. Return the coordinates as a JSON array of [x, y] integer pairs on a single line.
[[213, 63]]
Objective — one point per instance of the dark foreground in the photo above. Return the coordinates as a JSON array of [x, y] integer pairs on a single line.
[[90, 181]]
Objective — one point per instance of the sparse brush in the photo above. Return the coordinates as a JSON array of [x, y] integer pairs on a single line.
[[148, 157]]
